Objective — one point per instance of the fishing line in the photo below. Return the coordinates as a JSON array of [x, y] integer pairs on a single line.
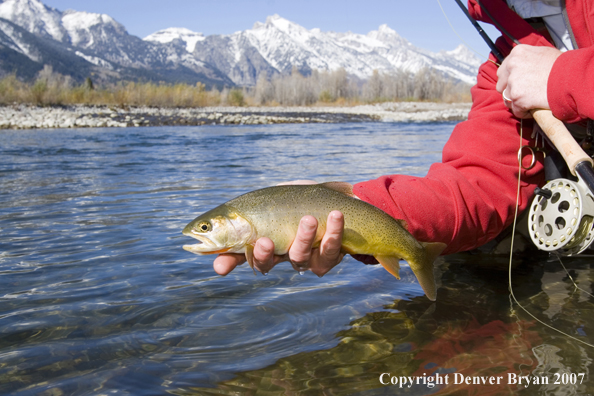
[[459, 36], [511, 254], [499, 56], [571, 278]]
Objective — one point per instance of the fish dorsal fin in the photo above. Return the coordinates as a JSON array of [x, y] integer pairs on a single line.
[[342, 187]]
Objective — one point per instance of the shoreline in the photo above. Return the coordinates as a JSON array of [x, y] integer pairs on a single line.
[[79, 116]]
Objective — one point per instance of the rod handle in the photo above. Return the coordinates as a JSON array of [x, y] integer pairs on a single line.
[[558, 134]]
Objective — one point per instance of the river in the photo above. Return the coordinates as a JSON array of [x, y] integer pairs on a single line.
[[98, 297]]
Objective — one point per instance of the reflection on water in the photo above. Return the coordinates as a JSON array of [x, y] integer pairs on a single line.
[[98, 297], [470, 331]]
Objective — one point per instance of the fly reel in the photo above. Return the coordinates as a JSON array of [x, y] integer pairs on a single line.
[[561, 217]]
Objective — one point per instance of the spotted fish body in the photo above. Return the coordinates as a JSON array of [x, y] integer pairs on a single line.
[[275, 212]]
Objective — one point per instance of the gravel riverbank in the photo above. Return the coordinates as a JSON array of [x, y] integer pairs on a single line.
[[27, 117]]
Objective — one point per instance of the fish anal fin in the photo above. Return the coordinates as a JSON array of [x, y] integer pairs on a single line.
[[342, 187], [390, 263], [249, 256]]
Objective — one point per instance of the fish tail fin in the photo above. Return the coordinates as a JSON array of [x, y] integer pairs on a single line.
[[423, 269]]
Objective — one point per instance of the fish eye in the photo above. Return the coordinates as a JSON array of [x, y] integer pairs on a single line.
[[204, 226]]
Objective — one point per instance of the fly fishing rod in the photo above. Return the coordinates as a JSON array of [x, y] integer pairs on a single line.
[[561, 216], [483, 34]]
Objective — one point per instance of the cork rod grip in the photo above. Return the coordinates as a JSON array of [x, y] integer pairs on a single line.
[[561, 138]]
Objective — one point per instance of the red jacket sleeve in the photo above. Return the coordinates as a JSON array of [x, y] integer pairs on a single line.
[[571, 84], [468, 198]]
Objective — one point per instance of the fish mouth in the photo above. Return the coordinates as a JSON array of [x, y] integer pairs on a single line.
[[206, 246]]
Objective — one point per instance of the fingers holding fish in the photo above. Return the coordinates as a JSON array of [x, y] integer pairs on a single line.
[[264, 258], [301, 248], [225, 263], [274, 219], [330, 252], [302, 256]]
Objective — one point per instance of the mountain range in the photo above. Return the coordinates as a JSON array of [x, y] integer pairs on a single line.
[[83, 44]]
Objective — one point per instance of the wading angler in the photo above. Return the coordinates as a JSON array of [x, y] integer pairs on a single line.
[[543, 61]]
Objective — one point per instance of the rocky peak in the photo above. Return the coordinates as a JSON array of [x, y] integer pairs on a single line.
[[85, 28], [188, 37], [35, 17]]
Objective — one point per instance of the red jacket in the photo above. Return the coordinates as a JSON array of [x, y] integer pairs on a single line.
[[469, 198]]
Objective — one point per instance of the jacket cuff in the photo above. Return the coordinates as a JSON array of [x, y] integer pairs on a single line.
[[569, 84]]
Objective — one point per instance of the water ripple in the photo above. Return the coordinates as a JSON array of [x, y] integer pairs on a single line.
[[98, 297]]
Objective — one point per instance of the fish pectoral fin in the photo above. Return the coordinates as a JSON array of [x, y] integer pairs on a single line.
[[249, 256], [342, 187], [391, 264]]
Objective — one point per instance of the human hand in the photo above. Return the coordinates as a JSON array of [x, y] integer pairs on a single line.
[[523, 78], [301, 255]]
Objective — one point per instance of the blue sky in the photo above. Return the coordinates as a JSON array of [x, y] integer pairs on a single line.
[[420, 21]]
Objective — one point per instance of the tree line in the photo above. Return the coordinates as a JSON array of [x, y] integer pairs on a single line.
[[294, 89], [333, 86]]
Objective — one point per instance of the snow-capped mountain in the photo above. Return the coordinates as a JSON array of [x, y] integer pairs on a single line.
[[459, 63], [35, 17], [84, 44], [186, 36], [85, 28], [278, 45], [100, 41], [26, 53]]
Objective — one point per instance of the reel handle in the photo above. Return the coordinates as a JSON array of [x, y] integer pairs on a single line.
[[558, 134]]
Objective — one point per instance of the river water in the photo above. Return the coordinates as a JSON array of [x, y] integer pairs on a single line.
[[97, 296]]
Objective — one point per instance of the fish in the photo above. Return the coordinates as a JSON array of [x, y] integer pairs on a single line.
[[275, 212]]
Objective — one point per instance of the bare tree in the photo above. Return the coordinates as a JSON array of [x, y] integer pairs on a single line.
[[330, 86], [264, 90]]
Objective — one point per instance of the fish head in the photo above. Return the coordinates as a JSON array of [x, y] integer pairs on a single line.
[[221, 230]]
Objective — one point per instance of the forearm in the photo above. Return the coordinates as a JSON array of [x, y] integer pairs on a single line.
[[470, 197], [571, 85]]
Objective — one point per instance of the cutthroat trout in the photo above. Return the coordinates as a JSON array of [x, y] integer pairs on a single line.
[[274, 212]]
